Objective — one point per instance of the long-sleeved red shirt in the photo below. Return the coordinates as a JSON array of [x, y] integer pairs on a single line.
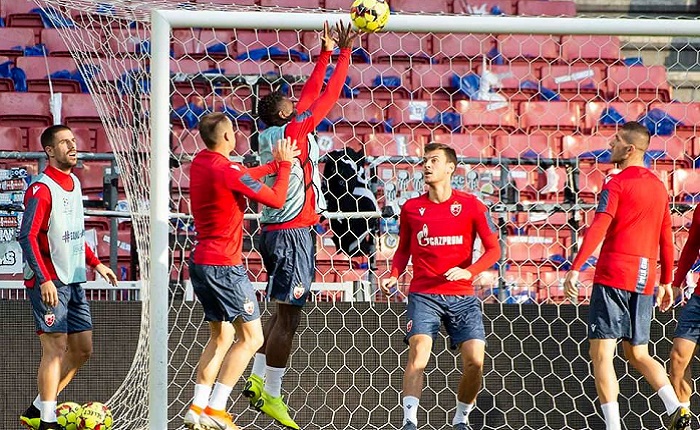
[[33, 236], [440, 236], [312, 108], [634, 218], [690, 252], [218, 187]]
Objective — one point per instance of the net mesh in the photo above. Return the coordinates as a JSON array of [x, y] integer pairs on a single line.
[[530, 117]]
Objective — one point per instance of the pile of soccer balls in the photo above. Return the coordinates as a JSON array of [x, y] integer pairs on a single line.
[[369, 15], [90, 416]]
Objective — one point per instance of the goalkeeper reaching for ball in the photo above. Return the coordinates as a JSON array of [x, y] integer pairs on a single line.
[[286, 243]]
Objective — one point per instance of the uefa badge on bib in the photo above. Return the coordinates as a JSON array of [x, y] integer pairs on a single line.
[[298, 291], [49, 318], [248, 306]]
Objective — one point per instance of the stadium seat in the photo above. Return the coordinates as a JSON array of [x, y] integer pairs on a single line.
[[93, 41], [532, 47], [232, 67], [186, 142], [79, 110], [470, 7], [429, 7], [585, 147], [17, 13], [37, 76], [534, 145], [434, 81], [360, 115], [393, 144], [575, 81], [248, 40], [451, 48], [181, 179], [591, 180], [376, 80], [91, 175], [552, 286], [646, 83], [123, 244], [473, 145], [228, 2], [195, 43], [13, 40], [594, 111], [417, 115], [338, 141], [11, 139], [669, 149], [687, 113], [546, 8], [394, 48], [487, 115], [307, 4], [686, 185], [25, 110], [552, 115], [532, 249], [518, 81], [590, 49]]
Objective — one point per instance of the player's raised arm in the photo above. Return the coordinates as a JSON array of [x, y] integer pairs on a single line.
[[312, 87]]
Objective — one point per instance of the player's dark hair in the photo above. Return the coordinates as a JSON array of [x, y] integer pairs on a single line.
[[207, 127], [48, 136], [636, 134], [269, 109], [449, 152]]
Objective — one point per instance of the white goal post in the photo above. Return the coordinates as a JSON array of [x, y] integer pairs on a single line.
[[163, 21]]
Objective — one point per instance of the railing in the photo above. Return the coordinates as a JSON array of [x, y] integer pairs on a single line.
[[94, 290]]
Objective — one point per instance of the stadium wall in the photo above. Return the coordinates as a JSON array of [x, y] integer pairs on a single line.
[[537, 352]]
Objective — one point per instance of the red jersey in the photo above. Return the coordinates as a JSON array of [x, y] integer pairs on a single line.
[[440, 236], [634, 217], [218, 187], [33, 235], [690, 252]]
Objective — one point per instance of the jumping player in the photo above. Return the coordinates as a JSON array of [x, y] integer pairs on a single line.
[[634, 218], [438, 230]]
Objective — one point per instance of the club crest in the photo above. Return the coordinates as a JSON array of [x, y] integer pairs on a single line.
[[456, 208], [49, 318], [409, 326], [249, 307], [298, 291]]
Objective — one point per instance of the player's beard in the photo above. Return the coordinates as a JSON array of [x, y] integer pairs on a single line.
[[66, 162]]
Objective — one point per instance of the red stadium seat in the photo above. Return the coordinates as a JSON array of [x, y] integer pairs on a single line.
[[247, 40], [590, 49], [435, 80], [391, 47], [687, 113], [194, 43], [123, 244], [476, 145], [307, 4], [528, 47], [79, 110], [487, 115], [413, 114], [574, 81], [359, 114], [451, 47], [512, 77], [629, 111], [550, 115], [12, 38], [16, 12], [364, 77], [25, 110], [574, 146], [186, 142], [429, 7], [6, 84], [469, 7], [532, 249], [91, 175], [393, 144], [328, 142], [591, 180], [647, 83], [686, 184], [181, 179], [228, 2], [11, 139], [93, 41], [37, 76], [671, 149], [546, 8], [523, 146]]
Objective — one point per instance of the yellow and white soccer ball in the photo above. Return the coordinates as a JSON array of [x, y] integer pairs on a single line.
[[67, 415], [369, 15], [94, 416]]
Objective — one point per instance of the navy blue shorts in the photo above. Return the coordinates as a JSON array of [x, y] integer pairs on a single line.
[[225, 292], [71, 315], [288, 256], [688, 326], [620, 314], [462, 316]]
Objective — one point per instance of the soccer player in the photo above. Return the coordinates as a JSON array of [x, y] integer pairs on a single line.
[[286, 243], [438, 230], [688, 327], [219, 279], [634, 218], [52, 237]]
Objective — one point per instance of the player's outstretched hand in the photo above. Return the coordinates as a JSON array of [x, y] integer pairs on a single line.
[[49, 294], [107, 274], [458, 274], [286, 150], [571, 285], [327, 38], [664, 297], [387, 285], [346, 35]]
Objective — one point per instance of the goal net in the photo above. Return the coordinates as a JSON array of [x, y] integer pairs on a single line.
[[530, 116]]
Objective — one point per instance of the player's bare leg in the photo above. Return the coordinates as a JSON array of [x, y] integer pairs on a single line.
[[250, 338], [254, 384], [682, 352], [78, 352], [53, 351], [655, 374], [221, 335], [472, 352], [602, 352], [419, 348]]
